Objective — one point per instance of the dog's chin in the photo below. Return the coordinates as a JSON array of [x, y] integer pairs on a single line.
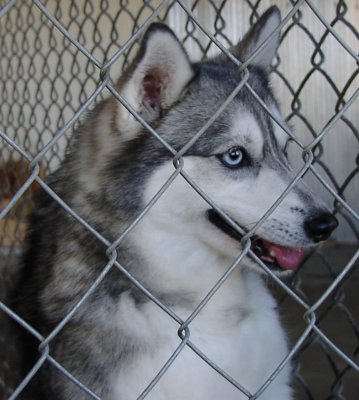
[[280, 260]]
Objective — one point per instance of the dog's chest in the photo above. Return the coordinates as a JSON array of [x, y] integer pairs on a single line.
[[247, 345]]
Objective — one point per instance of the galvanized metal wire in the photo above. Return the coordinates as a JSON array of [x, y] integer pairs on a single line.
[[16, 17]]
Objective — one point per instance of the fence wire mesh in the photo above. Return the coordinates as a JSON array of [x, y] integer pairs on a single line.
[[57, 59]]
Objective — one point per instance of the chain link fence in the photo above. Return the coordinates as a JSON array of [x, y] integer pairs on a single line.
[[60, 58]]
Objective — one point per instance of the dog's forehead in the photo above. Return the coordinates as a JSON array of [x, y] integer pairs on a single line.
[[250, 124], [246, 131], [242, 122]]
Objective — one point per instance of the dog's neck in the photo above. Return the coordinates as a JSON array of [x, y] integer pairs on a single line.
[[179, 268]]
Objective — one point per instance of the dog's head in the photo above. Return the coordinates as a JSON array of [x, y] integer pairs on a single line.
[[239, 161]]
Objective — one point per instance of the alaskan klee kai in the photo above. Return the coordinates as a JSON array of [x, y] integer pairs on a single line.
[[118, 340]]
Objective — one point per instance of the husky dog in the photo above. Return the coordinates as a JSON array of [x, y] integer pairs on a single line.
[[118, 339]]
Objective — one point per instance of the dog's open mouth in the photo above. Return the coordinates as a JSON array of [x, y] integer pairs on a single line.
[[275, 256]]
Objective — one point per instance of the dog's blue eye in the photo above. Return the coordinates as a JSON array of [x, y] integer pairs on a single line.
[[234, 157]]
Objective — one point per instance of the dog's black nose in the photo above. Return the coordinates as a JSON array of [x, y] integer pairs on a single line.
[[320, 227]]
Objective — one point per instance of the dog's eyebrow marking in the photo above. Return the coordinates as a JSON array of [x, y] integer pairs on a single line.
[[247, 131]]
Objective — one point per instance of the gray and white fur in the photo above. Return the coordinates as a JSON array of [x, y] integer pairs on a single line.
[[118, 340]]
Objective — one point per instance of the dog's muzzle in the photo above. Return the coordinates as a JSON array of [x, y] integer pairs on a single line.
[[275, 256]]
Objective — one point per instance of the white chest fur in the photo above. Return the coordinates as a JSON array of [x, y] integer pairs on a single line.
[[244, 339]]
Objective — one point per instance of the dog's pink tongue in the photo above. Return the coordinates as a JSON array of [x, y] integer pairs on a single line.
[[287, 257]]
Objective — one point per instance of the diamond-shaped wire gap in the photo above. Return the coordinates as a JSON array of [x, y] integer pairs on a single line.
[[330, 28], [205, 32]]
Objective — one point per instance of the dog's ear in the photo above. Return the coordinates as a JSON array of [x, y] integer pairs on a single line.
[[157, 77], [258, 33]]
